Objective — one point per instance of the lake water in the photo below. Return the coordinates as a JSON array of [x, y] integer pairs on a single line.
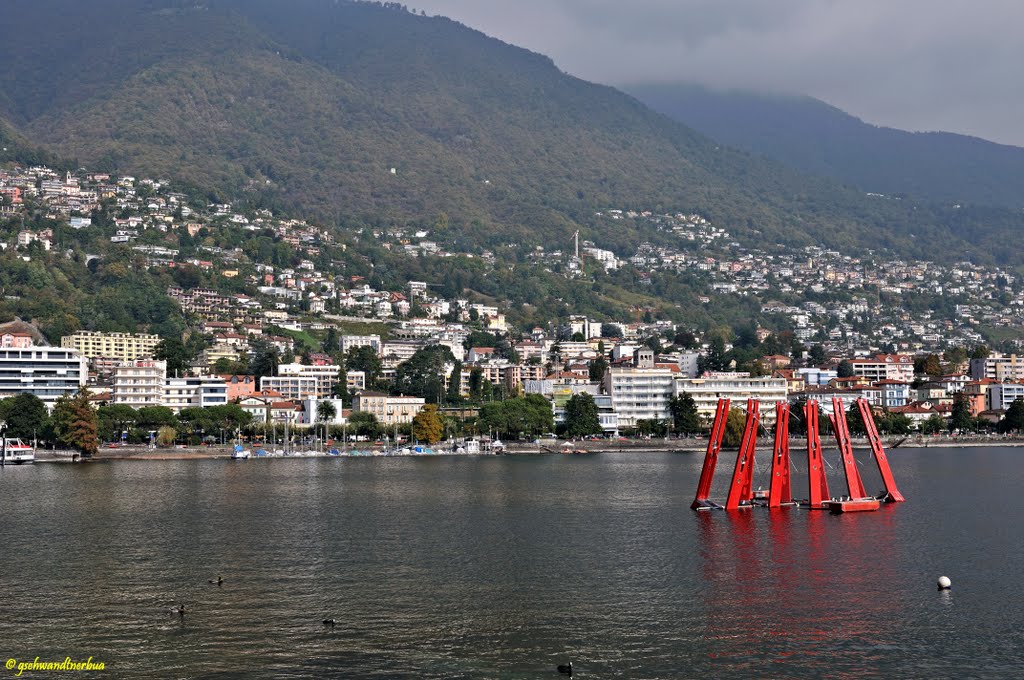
[[504, 567]]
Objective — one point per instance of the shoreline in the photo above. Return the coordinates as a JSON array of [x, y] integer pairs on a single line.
[[144, 453]]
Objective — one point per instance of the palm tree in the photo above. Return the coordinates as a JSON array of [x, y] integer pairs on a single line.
[[325, 412]]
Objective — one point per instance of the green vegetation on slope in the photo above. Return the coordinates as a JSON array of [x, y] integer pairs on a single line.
[[307, 106]]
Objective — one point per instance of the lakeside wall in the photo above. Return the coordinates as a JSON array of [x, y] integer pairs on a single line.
[[546, 447]]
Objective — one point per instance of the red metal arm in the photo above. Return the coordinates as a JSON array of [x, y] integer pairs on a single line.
[[740, 489], [817, 482], [893, 494], [842, 430], [707, 473], [781, 491]]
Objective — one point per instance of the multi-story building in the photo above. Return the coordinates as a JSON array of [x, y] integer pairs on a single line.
[[570, 349], [998, 367], [207, 303], [585, 327], [688, 364], [892, 393], [311, 412], [350, 342], [394, 353], [885, 367], [120, 346], [355, 381], [239, 386], [140, 383], [191, 392], [640, 393], [292, 387], [737, 387], [221, 350], [47, 372], [817, 376], [258, 405], [976, 394], [606, 414], [515, 375], [1002, 395], [15, 340], [326, 376], [389, 410]]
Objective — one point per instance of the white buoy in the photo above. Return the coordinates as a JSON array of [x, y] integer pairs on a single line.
[[945, 583]]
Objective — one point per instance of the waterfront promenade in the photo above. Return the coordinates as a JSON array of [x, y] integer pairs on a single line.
[[547, 447]]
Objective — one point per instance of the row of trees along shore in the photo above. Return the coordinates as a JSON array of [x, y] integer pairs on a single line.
[[77, 423]]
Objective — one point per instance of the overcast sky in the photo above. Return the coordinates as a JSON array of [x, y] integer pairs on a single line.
[[952, 65]]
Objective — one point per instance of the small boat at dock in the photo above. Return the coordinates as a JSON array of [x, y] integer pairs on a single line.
[[852, 505], [15, 452]]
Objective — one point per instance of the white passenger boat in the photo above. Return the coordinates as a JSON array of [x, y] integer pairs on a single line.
[[15, 452]]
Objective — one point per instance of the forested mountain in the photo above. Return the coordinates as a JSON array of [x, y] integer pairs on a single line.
[[309, 105], [814, 137]]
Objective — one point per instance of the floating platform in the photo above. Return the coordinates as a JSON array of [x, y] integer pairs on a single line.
[[853, 505]]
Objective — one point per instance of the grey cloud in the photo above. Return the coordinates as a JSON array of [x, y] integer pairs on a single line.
[[913, 64]]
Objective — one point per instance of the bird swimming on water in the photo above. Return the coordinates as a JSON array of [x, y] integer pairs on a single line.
[[565, 668], [218, 582], [329, 622]]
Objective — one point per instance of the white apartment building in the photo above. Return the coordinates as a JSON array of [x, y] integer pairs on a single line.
[[326, 376], [892, 393], [737, 387], [639, 393], [1002, 395], [688, 364], [885, 367], [190, 392], [585, 327], [292, 387], [395, 353], [817, 376], [47, 372], [140, 383], [310, 412], [355, 380], [570, 349], [350, 342]]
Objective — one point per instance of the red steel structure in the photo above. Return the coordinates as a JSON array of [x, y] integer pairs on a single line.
[[817, 482], [892, 494], [707, 473], [842, 432], [741, 490], [780, 491]]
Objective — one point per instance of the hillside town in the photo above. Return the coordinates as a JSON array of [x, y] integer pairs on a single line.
[[301, 334]]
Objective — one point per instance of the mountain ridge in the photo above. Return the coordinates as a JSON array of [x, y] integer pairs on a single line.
[[312, 107], [816, 137]]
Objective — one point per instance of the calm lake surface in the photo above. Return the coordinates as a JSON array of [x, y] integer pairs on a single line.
[[504, 567]]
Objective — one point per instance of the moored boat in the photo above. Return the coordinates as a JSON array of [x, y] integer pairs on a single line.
[[15, 452], [852, 505]]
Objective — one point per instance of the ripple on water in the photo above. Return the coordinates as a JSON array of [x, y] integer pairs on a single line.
[[503, 568]]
